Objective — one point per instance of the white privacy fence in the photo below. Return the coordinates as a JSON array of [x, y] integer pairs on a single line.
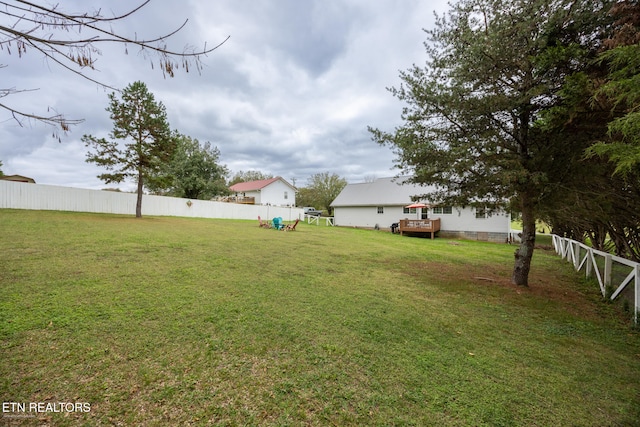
[[18, 195], [618, 277]]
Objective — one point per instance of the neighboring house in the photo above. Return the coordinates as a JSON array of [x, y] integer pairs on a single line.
[[275, 191], [18, 178], [383, 202]]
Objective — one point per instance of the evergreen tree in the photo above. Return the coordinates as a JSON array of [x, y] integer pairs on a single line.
[[623, 88], [141, 123], [599, 197], [473, 124]]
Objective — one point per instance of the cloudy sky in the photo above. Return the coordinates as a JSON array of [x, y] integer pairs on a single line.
[[291, 93]]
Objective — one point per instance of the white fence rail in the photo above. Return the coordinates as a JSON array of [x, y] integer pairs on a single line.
[[328, 220], [613, 273], [18, 195]]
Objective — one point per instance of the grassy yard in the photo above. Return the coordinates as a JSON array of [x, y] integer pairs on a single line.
[[541, 227], [174, 321]]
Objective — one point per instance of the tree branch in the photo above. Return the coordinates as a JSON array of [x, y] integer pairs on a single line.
[[81, 49]]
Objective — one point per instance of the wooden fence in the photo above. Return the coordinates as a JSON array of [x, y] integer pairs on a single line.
[[614, 274]]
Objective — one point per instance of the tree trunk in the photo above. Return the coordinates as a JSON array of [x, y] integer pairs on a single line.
[[524, 253], [139, 201]]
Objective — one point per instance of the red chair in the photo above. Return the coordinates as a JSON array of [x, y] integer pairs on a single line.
[[263, 224], [292, 227]]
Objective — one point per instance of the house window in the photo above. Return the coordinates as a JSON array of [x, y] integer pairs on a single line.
[[408, 211], [443, 210], [482, 213], [380, 209], [286, 195]]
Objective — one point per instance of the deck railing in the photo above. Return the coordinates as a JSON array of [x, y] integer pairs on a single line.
[[420, 226], [613, 273], [239, 199]]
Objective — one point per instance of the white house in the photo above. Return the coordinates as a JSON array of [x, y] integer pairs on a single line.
[[275, 192], [384, 202]]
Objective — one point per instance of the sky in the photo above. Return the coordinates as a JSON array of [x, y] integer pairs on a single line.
[[290, 93]]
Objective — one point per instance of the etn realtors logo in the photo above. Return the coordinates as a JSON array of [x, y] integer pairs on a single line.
[[16, 408]]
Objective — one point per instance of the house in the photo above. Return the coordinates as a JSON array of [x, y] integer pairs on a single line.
[[18, 178], [275, 192], [383, 202]]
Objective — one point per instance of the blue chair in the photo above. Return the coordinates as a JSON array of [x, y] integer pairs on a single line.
[[277, 223]]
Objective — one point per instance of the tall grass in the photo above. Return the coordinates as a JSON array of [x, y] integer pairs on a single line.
[[173, 321]]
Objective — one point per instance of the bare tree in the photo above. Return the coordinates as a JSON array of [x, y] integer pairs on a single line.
[[71, 41]]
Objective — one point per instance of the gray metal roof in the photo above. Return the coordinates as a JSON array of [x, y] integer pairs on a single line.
[[381, 192]]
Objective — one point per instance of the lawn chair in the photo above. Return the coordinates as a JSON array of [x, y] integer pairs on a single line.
[[262, 223], [277, 223], [292, 227]]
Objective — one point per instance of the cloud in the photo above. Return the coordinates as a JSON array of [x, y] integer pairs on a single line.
[[291, 93]]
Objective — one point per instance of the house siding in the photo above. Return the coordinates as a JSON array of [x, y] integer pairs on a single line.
[[367, 216], [464, 219], [357, 206], [255, 194], [461, 223], [273, 194]]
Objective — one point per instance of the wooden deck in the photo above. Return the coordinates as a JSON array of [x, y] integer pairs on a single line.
[[239, 199], [420, 226]]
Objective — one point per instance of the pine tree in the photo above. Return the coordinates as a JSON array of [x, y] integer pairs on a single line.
[[473, 124], [141, 123]]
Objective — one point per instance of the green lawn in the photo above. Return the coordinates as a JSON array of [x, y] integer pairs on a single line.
[[174, 321], [541, 227]]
